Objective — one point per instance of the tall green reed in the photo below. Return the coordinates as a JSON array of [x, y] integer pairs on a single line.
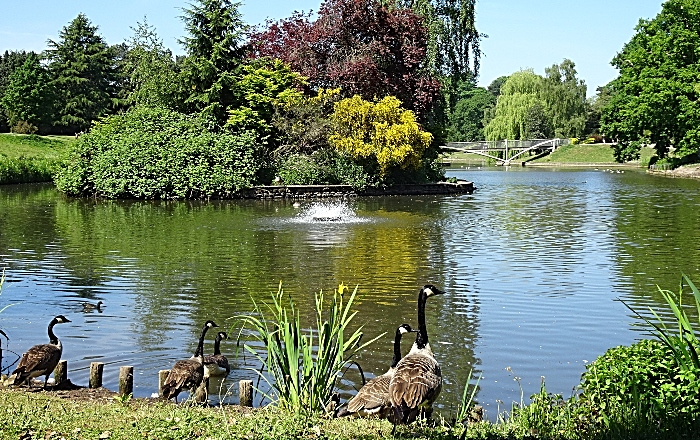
[[683, 341], [303, 365]]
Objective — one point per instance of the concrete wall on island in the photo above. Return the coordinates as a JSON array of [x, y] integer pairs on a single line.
[[328, 191]]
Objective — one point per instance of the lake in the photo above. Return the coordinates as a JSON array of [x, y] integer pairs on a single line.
[[533, 263]]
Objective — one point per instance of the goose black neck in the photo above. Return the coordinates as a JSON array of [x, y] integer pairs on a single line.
[[397, 348], [422, 336], [200, 347], [52, 337], [217, 344]]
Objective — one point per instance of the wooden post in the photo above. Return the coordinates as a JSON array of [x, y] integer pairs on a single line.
[[245, 392], [162, 375], [96, 369], [126, 380], [60, 373]]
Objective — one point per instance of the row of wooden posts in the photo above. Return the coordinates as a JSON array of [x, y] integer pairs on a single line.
[[126, 382]]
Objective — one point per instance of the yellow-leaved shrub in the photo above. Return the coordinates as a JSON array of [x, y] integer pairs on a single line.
[[381, 130]]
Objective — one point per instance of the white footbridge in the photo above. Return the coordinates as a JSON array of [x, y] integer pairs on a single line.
[[508, 150]]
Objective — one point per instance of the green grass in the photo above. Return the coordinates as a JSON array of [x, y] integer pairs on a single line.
[[567, 154], [30, 158], [581, 153]]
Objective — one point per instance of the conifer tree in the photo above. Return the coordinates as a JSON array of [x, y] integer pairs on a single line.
[[28, 96], [215, 50], [10, 61], [82, 69]]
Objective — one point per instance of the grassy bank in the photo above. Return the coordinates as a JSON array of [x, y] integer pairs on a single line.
[[30, 158], [580, 154], [47, 416]]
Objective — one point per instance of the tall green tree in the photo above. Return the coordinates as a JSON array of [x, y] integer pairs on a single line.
[[215, 50], [565, 98], [521, 91], [9, 61], [83, 73], [150, 69], [467, 118], [28, 97], [656, 97]]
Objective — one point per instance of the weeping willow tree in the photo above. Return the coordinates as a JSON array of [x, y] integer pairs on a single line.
[[521, 92], [454, 51]]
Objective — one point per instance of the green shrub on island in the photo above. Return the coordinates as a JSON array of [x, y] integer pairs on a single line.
[[149, 153], [324, 167]]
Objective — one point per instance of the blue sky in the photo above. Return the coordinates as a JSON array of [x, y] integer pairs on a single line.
[[522, 33]]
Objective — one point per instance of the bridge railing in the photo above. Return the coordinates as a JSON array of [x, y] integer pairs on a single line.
[[509, 144]]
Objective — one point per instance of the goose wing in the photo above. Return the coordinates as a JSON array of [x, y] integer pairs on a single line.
[[37, 361], [185, 374], [373, 397], [417, 381]]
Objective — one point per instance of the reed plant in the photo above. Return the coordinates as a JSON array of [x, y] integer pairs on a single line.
[[302, 365]]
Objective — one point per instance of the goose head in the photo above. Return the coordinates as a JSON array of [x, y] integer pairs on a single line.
[[60, 319], [210, 324], [405, 328], [430, 290], [221, 335]]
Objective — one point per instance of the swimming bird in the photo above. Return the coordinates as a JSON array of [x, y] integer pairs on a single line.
[[89, 307], [373, 397], [187, 374], [417, 381], [216, 365], [40, 360]]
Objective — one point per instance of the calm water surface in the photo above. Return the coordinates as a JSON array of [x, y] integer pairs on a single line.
[[532, 263]]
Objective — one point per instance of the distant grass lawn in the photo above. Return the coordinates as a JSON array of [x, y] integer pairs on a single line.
[[14, 146], [30, 158], [567, 154]]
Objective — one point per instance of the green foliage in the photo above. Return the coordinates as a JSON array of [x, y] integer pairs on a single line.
[[151, 70], [466, 121], [380, 132], [521, 91], [28, 96], [565, 100], [325, 166], [27, 169], [9, 61], [304, 366], [655, 97], [83, 74], [159, 154], [264, 85], [299, 169], [302, 125], [214, 49]]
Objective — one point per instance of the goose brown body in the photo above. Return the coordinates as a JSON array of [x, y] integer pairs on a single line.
[[40, 360], [216, 365], [417, 381], [373, 397], [187, 374]]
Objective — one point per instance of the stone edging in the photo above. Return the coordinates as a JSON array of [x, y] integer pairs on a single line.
[[330, 191]]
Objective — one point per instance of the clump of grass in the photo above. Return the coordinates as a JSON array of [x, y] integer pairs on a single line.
[[27, 170], [303, 366]]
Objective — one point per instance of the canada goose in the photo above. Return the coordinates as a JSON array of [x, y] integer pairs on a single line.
[[89, 307], [187, 374], [40, 360], [417, 381], [216, 365], [373, 397]]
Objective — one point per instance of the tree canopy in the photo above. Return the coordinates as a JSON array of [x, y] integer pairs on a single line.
[[656, 97], [361, 46], [83, 73], [215, 49], [27, 97]]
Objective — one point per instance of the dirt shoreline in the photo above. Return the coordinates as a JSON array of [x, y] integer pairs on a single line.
[[685, 171]]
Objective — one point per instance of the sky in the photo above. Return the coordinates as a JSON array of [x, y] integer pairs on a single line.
[[522, 34]]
